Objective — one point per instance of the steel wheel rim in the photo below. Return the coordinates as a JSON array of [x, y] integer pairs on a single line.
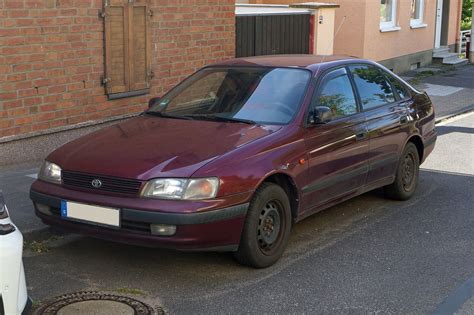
[[408, 172], [270, 227]]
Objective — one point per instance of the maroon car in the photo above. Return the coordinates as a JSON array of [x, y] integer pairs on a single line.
[[230, 158]]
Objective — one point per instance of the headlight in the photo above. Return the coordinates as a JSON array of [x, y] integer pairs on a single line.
[[50, 172], [181, 188]]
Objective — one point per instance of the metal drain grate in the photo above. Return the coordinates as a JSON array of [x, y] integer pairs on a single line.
[[55, 305]]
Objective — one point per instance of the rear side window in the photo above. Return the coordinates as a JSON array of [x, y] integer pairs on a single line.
[[337, 94], [373, 87], [399, 87]]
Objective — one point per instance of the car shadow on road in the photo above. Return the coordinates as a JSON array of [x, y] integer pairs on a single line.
[[442, 130]]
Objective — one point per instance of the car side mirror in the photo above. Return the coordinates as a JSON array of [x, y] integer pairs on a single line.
[[153, 101], [321, 115]]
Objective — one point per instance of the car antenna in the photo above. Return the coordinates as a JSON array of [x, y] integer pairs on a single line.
[[333, 39]]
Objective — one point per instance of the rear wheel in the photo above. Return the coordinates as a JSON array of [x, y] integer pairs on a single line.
[[406, 179], [266, 229]]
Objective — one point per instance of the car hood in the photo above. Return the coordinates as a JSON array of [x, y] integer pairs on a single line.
[[145, 147]]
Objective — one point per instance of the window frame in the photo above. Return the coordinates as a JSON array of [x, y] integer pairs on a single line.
[[418, 22], [391, 25], [131, 88], [317, 90], [382, 72]]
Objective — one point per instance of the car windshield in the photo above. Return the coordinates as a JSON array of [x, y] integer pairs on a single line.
[[269, 96]]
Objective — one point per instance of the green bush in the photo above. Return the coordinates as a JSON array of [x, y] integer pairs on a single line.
[[466, 15]]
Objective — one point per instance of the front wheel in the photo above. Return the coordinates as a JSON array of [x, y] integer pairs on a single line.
[[266, 229], [406, 178]]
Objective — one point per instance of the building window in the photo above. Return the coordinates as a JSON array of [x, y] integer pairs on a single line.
[[417, 7], [127, 48], [388, 15]]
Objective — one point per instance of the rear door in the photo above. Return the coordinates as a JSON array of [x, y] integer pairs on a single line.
[[387, 121], [337, 150]]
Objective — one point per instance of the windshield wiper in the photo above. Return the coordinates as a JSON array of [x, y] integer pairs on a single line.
[[165, 115], [224, 119]]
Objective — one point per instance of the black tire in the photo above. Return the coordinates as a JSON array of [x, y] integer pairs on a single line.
[[267, 227], [406, 177]]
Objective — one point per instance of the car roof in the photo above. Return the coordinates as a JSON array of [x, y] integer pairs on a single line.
[[311, 62]]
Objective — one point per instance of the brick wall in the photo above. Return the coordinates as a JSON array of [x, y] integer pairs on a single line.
[[52, 58]]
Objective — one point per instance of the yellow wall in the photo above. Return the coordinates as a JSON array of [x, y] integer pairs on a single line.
[[360, 34], [381, 46], [324, 33], [454, 21], [350, 21]]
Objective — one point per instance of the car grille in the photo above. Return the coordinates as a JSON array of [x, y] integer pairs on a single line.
[[136, 226], [108, 183]]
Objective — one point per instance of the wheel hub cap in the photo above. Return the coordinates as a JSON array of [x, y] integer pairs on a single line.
[[269, 225]]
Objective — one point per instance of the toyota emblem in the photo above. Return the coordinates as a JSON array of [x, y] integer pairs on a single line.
[[96, 183]]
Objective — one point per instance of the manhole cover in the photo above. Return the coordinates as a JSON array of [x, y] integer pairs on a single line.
[[95, 303]]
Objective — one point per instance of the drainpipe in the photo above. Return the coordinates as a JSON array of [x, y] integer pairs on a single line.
[[471, 50]]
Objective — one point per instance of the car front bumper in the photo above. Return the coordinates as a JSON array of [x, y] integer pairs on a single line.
[[197, 228]]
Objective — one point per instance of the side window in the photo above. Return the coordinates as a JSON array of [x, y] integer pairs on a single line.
[[373, 87], [336, 93], [399, 87]]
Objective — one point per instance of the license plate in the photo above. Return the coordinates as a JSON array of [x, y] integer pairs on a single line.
[[90, 214]]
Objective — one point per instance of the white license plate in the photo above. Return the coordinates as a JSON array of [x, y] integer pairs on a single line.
[[90, 214]]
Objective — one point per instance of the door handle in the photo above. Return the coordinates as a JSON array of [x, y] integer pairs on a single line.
[[361, 135]]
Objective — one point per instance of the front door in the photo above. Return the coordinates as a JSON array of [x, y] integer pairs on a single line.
[[338, 149], [439, 23]]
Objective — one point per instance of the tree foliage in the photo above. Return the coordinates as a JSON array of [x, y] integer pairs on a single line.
[[466, 15]]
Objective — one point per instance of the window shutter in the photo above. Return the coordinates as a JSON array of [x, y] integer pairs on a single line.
[[139, 46], [127, 46], [116, 47]]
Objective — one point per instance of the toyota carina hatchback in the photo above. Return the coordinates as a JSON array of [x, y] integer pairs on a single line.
[[230, 158]]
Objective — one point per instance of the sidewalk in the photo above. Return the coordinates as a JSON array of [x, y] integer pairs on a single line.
[[451, 91]]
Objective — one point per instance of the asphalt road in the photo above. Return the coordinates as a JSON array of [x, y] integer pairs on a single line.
[[367, 255]]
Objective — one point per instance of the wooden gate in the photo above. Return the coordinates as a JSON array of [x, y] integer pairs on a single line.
[[272, 34]]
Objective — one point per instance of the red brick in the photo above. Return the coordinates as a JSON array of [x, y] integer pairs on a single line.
[[18, 13], [23, 120], [12, 104], [16, 77], [6, 123], [47, 108], [32, 101], [51, 57], [7, 96], [20, 68], [14, 4], [9, 32], [56, 89]]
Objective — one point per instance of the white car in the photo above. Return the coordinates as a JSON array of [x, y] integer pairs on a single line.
[[13, 296]]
